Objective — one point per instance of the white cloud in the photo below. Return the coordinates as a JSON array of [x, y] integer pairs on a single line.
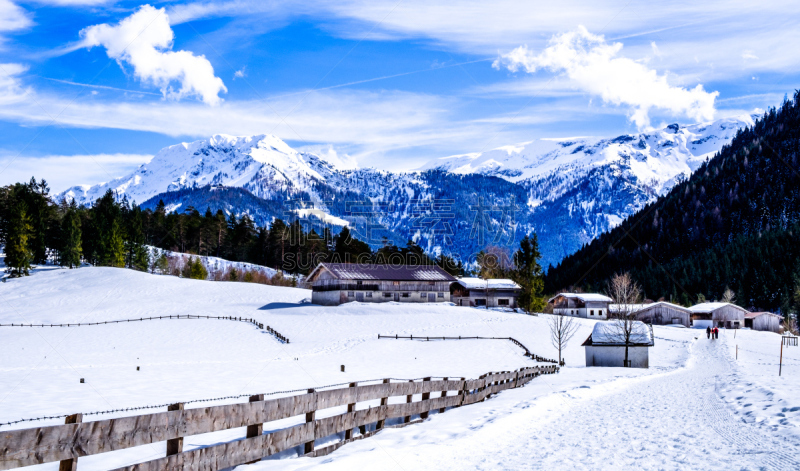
[[595, 67], [13, 17], [64, 171], [656, 51], [241, 73], [747, 54], [144, 40]]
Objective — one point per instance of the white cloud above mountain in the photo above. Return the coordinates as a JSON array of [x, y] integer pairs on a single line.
[[144, 40], [13, 17], [596, 67]]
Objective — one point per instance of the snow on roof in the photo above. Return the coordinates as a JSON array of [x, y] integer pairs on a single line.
[[583, 297], [710, 307], [641, 307], [612, 333], [363, 271], [480, 283], [752, 315]]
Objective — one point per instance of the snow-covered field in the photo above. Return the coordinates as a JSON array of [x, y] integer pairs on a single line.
[[695, 408]]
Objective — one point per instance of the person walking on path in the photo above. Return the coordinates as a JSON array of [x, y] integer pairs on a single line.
[[708, 332], [716, 332]]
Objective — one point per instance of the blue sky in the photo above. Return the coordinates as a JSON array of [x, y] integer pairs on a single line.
[[89, 89]]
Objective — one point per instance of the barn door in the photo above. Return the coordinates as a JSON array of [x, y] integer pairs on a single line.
[[360, 297], [397, 296], [431, 297]]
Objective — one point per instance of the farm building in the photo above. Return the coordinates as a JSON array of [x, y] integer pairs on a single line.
[[589, 305], [488, 293], [337, 283], [763, 321], [606, 345], [663, 313], [725, 315]]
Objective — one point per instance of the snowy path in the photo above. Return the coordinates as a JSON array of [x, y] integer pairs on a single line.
[[674, 420]]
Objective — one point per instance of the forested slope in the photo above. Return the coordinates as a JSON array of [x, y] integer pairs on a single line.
[[733, 223]]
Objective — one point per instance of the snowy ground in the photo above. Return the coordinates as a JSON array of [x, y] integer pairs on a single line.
[[696, 408]]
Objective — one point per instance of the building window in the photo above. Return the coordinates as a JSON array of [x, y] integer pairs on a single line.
[[480, 302], [387, 295], [369, 294], [350, 294], [396, 283], [591, 313], [431, 283], [441, 295], [421, 295], [405, 295], [502, 302]]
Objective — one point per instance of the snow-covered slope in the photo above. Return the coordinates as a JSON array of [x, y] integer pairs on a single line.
[[261, 164], [580, 418]]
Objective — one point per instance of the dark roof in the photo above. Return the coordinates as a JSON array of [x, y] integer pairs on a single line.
[[365, 271]]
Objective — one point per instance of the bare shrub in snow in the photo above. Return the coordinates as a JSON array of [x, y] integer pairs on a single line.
[[626, 294], [562, 328]]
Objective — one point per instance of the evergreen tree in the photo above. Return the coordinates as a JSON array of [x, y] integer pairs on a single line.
[[113, 247], [18, 239], [71, 250], [528, 274]]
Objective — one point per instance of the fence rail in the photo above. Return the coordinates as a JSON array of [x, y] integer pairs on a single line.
[[256, 323], [75, 439], [461, 337]]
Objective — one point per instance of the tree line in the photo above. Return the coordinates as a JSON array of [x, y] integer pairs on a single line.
[[114, 232]]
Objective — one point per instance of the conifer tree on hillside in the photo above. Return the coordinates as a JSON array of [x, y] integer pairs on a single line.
[[18, 234], [113, 247], [347, 249], [528, 274], [71, 249]]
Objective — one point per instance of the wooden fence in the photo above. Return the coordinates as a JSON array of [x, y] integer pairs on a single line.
[[67, 443], [460, 337], [256, 323]]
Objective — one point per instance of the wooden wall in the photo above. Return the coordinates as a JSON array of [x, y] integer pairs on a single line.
[[71, 441]]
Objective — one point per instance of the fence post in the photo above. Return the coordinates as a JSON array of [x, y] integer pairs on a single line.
[[409, 399], [72, 463], [384, 402], [256, 429], [348, 434], [175, 445], [309, 447], [425, 397], [444, 394]]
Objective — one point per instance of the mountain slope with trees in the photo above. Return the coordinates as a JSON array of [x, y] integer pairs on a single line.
[[733, 223]]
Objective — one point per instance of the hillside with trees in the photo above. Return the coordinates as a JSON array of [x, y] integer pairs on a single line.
[[732, 224]]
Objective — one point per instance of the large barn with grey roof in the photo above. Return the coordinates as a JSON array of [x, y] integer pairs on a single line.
[[337, 283]]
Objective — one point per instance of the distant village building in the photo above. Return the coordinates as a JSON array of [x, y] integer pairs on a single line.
[[765, 321], [724, 315], [606, 345], [589, 305], [485, 293], [664, 313], [337, 283]]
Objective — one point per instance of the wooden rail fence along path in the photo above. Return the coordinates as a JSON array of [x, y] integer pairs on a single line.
[[69, 442], [180, 316], [460, 337]]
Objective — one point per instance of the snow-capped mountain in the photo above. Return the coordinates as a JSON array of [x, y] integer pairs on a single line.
[[566, 190], [653, 158], [261, 164]]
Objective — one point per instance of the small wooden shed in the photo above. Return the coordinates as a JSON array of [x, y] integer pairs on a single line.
[[765, 321], [664, 313], [606, 345]]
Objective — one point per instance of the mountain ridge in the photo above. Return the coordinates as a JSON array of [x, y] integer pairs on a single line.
[[589, 185]]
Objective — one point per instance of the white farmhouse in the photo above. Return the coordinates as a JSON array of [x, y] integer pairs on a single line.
[[498, 292], [588, 305], [606, 345]]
